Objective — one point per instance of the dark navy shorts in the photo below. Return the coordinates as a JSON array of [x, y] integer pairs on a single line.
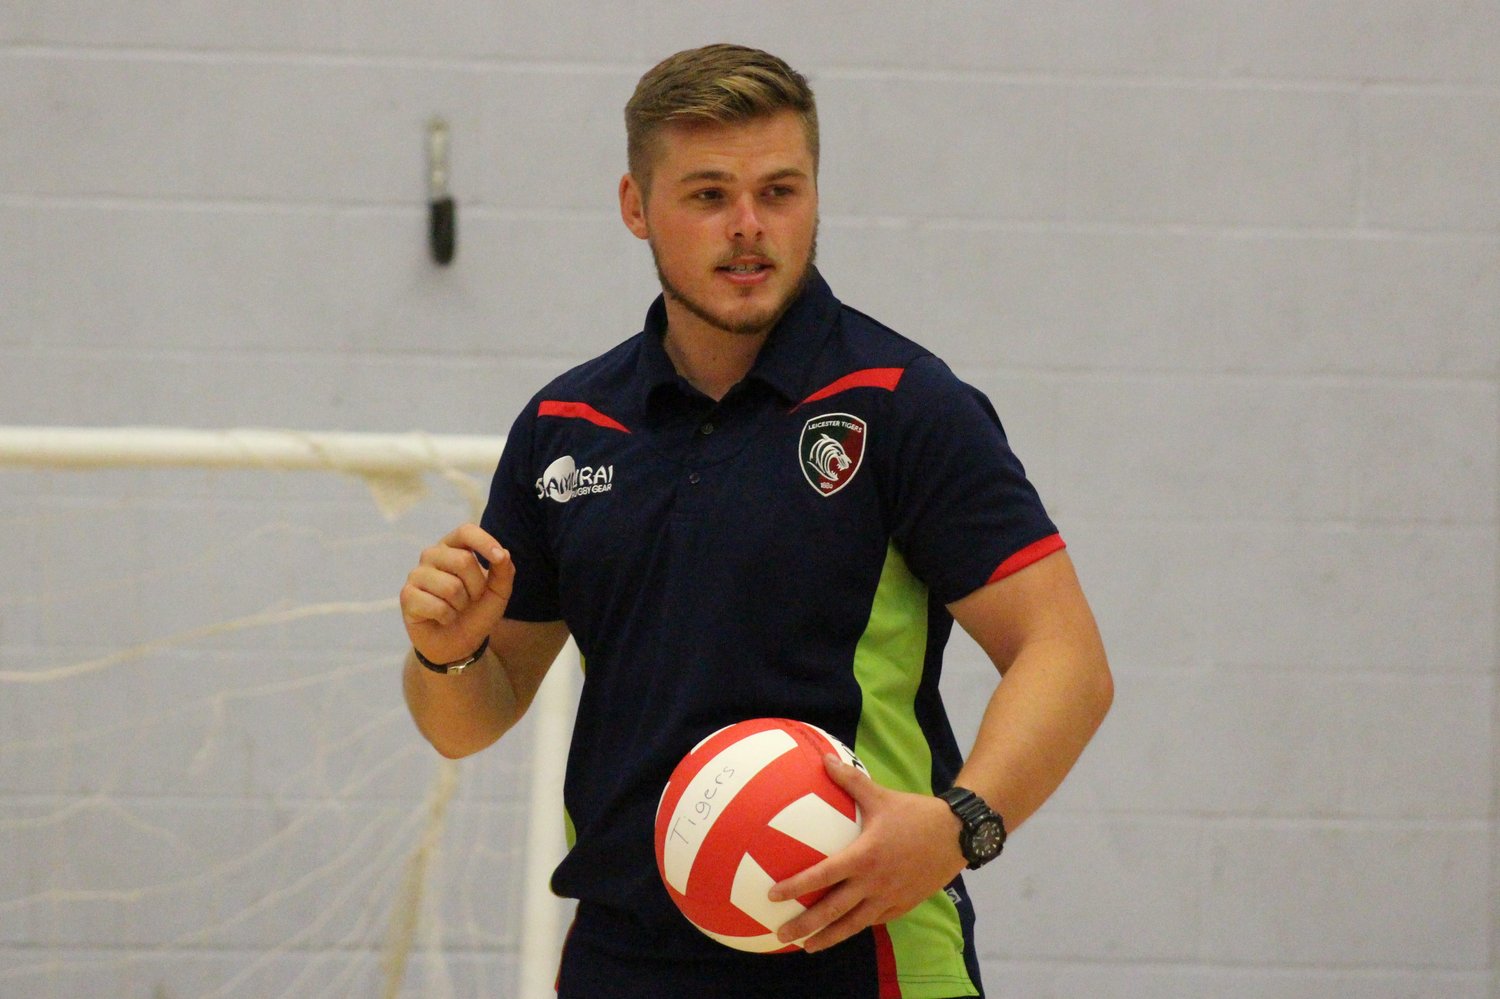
[[599, 962]]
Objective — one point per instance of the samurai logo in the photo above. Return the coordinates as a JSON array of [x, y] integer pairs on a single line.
[[831, 448], [564, 479]]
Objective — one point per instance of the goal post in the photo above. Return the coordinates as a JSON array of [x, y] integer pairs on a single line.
[[355, 453], [111, 755]]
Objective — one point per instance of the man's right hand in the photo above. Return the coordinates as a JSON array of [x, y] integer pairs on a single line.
[[450, 602]]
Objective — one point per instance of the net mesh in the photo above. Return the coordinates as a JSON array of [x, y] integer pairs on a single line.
[[209, 785]]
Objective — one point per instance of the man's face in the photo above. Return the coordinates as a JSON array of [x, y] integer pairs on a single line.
[[732, 219]]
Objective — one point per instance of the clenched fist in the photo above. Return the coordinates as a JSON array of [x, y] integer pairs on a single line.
[[450, 602]]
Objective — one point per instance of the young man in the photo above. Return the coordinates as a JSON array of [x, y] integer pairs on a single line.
[[764, 504]]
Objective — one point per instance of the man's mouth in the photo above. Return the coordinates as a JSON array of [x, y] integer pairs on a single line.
[[746, 271]]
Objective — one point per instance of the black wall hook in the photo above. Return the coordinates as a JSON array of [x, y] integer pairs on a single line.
[[442, 211]]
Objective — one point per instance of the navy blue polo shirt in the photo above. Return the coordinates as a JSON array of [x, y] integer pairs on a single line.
[[786, 551]]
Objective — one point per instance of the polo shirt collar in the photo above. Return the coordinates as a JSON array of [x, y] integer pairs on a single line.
[[784, 362]]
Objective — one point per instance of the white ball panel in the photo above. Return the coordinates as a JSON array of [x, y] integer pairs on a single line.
[[710, 791], [748, 894], [813, 821]]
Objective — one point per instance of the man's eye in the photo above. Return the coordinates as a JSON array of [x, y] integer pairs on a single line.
[[709, 194]]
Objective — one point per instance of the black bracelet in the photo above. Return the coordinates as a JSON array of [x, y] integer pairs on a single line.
[[457, 666]]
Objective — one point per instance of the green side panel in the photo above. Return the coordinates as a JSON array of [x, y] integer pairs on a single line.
[[569, 830], [888, 662], [888, 665]]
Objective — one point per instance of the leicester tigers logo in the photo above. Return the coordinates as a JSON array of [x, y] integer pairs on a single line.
[[831, 448], [828, 457]]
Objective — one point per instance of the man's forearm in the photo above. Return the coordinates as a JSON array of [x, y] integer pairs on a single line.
[[1036, 725], [461, 713]]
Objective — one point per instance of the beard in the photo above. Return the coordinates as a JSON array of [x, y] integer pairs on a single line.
[[753, 324]]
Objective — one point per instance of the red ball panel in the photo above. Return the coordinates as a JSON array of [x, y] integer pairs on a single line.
[[742, 778]]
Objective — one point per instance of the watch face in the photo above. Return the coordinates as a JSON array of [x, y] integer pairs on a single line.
[[983, 834], [987, 841]]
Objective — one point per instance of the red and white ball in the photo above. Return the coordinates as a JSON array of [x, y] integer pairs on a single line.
[[749, 806]]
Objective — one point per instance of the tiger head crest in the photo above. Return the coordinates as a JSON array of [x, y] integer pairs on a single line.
[[831, 449]]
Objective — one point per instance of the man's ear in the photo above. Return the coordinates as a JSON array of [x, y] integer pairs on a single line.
[[633, 206]]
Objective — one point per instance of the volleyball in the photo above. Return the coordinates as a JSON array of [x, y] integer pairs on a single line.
[[749, 806]]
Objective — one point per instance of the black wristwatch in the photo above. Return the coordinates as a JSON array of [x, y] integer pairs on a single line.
[[454, 667], [983, 835]]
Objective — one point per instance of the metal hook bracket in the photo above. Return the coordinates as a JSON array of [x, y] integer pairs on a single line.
[[442, 211]]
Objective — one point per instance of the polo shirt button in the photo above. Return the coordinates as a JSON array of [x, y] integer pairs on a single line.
[[706, 429], [695, 478]]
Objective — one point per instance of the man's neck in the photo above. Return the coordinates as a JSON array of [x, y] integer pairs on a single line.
[[711, 359]]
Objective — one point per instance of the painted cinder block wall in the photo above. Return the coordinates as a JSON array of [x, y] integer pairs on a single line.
[[1230, 273]]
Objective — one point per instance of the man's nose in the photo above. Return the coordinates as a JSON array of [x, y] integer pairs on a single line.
[[744, 223]]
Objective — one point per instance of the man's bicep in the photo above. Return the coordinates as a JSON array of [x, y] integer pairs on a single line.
[[1041, 603]]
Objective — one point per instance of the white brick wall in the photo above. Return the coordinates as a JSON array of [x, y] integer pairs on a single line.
[[1231, 273]]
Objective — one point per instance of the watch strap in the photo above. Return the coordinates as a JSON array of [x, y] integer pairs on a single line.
[[967, 805], [457, 666], [975, 814]]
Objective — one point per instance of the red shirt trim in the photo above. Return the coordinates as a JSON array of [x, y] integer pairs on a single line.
[[886, 378], [579, 411], [1034, 552], [885, 963]]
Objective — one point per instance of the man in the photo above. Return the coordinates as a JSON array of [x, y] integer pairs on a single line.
[[764, 504]]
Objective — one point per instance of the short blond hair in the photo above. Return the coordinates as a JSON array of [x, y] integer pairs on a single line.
[[716, 83]]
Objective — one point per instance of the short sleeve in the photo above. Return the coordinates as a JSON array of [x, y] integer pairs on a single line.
[[515, 518], [962, 510]]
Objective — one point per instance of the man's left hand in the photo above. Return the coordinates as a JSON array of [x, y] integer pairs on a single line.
[[907, 850]]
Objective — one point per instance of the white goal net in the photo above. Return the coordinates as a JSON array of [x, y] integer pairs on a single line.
[[209, 785]]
